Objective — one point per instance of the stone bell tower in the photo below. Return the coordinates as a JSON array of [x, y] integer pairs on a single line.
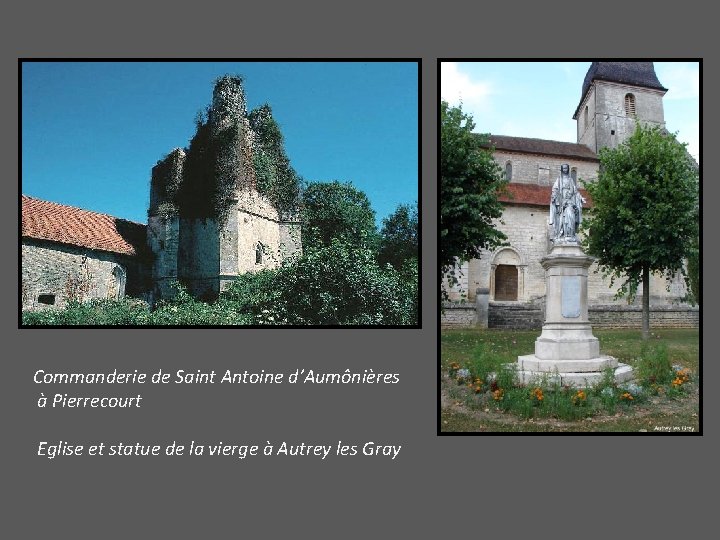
[[615, 96]]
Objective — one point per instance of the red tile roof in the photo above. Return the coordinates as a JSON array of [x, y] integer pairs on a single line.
[[534, 195], [45, 220], [542, 146]]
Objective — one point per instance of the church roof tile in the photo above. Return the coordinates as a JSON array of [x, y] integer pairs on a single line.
[[533, 195], [542, 146], [44, 220]]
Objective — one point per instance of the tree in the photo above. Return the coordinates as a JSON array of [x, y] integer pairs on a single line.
[[335, 210], [469, 185], [644, 215], [693, 272], [399, 237]]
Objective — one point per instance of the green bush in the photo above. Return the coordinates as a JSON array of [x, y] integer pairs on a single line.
[[92, 313], [337, 284]]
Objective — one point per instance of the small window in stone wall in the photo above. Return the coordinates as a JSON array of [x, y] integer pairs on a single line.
[[259, 253], [585, 117], [629, 105], [47, 299], [573, 174], [508, 171]]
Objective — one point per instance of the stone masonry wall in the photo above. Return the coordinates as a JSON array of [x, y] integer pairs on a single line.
[[290, 239], [163, 237], [631, 316], [611, 116], [258, 222], [608, 125], [199, 256], [458, 316], [513, 316], [49, 268], [542, 170]]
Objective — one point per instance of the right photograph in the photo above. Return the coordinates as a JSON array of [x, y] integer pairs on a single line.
[[570, 247]]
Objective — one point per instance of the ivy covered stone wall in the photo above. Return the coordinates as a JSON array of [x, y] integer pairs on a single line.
[[229, 192]]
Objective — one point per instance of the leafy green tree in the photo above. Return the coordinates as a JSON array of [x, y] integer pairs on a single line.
[[335, 210], [644, 216], [399, 237], [469, 185], [693, 272]]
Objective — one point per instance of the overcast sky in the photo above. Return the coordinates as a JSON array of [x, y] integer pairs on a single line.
[[538, 99], [92, 131]]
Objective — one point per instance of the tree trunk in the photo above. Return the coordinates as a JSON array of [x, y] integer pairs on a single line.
[[646, 303]]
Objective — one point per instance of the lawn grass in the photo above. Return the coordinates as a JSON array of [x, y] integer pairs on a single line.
[[660, 414]]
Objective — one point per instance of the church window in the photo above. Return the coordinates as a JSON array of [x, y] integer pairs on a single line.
[[585, 116], [258, 253], [629, 105], [508, 171], [573, 173], [506, 282]]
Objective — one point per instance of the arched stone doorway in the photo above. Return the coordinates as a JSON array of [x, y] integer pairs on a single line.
[[507, 277], [116, 284]]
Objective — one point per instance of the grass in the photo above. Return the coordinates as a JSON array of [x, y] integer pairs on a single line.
[[484, 351]]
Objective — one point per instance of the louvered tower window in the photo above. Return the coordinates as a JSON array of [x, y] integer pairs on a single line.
[[629, 105]]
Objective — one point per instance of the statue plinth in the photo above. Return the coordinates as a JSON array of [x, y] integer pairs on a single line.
[[567, 351]]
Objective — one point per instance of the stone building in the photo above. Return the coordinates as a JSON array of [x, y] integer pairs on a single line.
[[615, 96], [223, 206], [212, 215], [73, 254]]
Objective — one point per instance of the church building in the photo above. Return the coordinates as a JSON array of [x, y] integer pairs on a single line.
[[506, 287]]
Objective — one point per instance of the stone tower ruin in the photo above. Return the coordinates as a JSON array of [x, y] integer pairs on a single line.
[[226, 204]]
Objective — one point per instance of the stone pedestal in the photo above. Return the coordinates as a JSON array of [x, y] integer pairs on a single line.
[[482, 305], [566, 351]]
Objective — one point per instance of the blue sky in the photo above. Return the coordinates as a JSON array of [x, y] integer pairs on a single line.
[[538, 99], [92, 131]]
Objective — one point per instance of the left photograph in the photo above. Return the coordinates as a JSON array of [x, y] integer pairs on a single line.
[[203, 193]]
